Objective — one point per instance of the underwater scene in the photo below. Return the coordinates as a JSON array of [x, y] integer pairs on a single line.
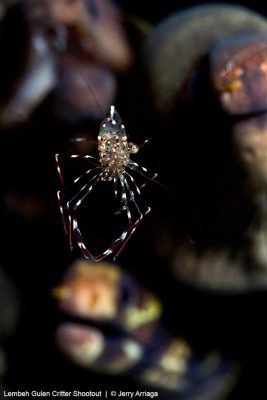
[[133, 253]]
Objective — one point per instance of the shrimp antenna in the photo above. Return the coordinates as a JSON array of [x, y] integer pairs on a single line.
[[91, 91]]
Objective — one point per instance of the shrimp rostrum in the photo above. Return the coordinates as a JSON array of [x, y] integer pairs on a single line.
[[113, 165]]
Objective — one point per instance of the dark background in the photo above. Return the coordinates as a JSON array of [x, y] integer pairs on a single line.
[[35, 254]]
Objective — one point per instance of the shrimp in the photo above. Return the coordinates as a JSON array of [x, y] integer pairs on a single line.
[[114, 165]]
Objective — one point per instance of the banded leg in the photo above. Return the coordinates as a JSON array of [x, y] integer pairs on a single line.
[[75, 227], [143, 172], [117, 242], [131, 229], [125, 200], [59, 169], [129, 232], [115, 181], [134, 183], [60, 202], [87, 188], [79, 236], [61, 209]]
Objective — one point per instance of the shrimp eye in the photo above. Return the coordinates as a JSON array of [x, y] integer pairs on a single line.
[[133, 148], [102, 147]]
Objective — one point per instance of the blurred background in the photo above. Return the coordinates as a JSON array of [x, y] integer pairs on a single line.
[[193, 82]]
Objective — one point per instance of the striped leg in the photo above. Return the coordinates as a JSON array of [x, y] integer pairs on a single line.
[[60, 201], [72, 216], [79, 237], [144, 172], [58, 166], [131, 228], [117, 242]]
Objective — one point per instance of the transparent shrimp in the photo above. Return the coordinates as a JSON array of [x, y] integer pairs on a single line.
[[113, 165]]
